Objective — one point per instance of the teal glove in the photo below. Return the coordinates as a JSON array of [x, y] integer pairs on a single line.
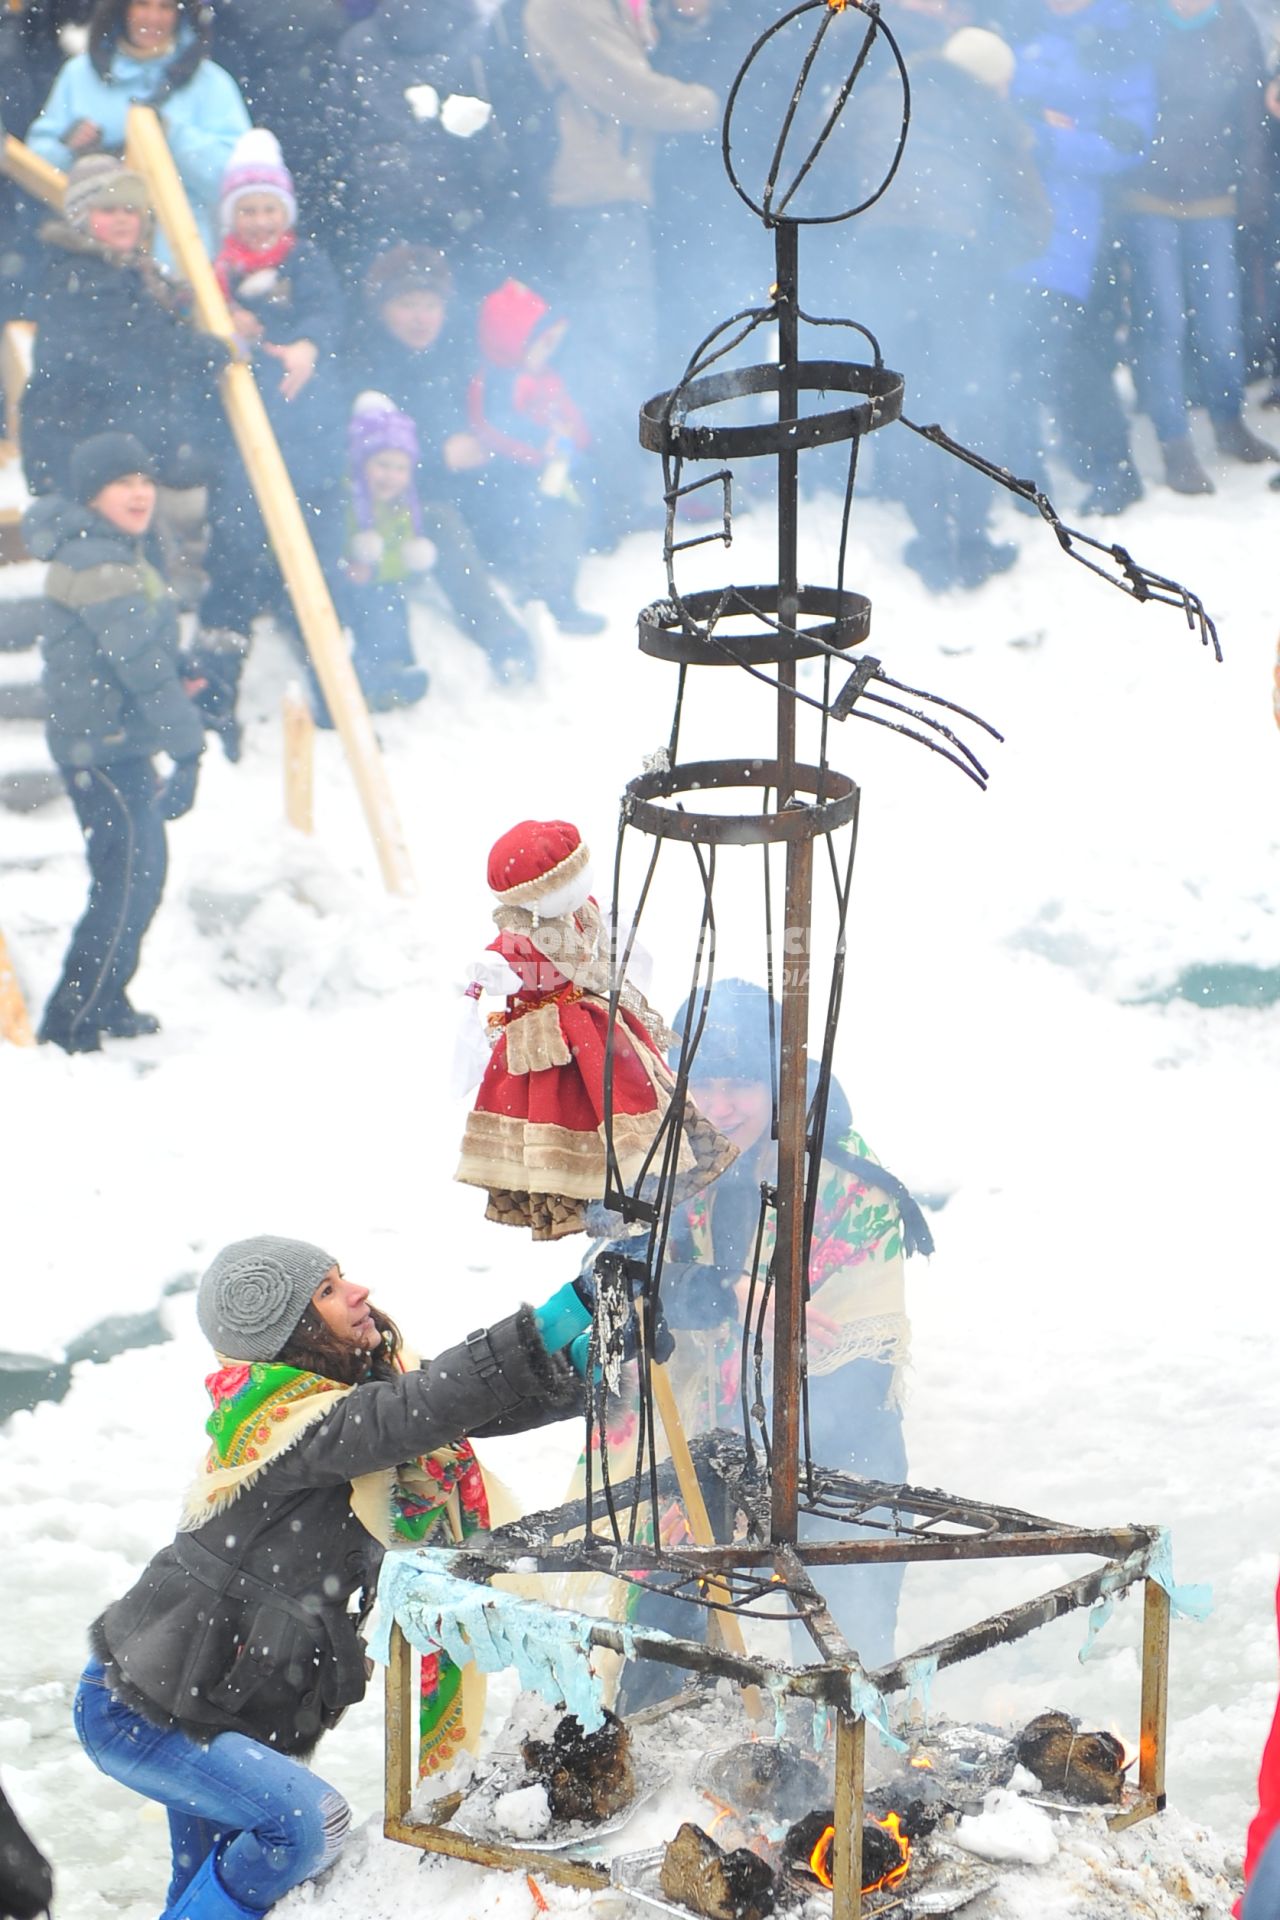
[[562, 1320]]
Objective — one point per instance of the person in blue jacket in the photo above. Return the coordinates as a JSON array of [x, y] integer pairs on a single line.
[[1085, 81], [154, 53]]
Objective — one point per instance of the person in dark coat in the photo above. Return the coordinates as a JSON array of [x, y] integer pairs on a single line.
[[1204, 173], [26, 1882], [113, 351], [425, 158], [411, 348], [116, 698], [215, 1675]]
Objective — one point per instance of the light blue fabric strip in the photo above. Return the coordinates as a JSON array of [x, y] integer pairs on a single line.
[[549, 1647], [1190, 1600]]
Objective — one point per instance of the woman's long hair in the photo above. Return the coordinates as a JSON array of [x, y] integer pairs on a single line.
[[314, 1347], [106, 27]]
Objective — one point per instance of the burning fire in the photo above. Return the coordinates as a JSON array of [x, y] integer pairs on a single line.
[[820, 1858], [920, 1760]]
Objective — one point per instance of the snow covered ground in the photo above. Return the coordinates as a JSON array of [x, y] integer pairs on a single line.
[[1095, 1336]]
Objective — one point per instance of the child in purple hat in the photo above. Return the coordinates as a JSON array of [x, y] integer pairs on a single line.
[[385, 550]]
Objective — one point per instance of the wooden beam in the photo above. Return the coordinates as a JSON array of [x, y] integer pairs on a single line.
[[147, 153], [36, 176]]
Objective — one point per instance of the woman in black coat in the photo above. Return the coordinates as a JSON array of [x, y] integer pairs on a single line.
[[113, 351], [221, 1667]]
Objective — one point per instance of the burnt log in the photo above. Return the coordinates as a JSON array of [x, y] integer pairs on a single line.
[[699, 1875], [809, 1850], [588, 1776], [1088, 1767]]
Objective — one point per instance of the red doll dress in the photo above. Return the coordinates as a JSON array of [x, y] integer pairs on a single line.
[[535, 1136]]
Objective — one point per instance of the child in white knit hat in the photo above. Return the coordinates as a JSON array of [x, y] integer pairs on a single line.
[[287, 309]]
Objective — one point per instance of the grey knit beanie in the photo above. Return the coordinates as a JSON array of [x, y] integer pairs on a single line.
[[253, 1294], [99, 181]]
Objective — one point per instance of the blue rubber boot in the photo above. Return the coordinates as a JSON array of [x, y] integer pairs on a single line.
[[206, 1898]]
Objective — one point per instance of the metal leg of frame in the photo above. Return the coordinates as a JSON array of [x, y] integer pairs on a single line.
[[846, 1852]]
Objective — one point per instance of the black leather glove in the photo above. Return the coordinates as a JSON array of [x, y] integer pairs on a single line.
[[178, 794]]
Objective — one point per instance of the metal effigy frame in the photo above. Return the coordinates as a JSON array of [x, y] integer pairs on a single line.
[[946, 1528], [796, 805]]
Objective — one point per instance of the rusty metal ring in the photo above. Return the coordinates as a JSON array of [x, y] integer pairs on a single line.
[[641, 808]]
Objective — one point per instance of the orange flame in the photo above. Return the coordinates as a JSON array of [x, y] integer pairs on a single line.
[[820, 1858], [920, 1760]]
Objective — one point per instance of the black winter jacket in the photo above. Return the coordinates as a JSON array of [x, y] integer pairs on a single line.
[[303, 301], [244, 1625], [410, 171], [110, 354], [110, 643]]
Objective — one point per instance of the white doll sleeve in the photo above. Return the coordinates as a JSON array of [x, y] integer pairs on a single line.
[[492, 973]]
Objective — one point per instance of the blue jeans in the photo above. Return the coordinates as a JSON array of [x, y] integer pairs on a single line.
[[119, 813], [272, 1820], [1186, 309], [1262, 1895]]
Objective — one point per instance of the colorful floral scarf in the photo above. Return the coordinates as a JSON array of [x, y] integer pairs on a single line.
[[259, 1411]]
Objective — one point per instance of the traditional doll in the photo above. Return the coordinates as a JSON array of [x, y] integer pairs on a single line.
[[536, 1136]]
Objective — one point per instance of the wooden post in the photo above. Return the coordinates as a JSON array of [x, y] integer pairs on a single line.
[[401, 1751], [148, 153], [846, 1850], [38, 177], [299, 760], [14, 1024], [1153, 1734], [1156, 1615]]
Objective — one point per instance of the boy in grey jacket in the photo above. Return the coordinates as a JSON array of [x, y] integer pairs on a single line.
[[116, 698]]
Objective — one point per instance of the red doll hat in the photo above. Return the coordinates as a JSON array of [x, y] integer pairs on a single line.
[[534, 859]]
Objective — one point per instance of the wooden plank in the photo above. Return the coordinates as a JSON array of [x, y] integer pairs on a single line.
[[148, 153], [36, 176], [14, 1023]]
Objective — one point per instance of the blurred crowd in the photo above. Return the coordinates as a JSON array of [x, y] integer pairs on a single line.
[[462, 238]]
